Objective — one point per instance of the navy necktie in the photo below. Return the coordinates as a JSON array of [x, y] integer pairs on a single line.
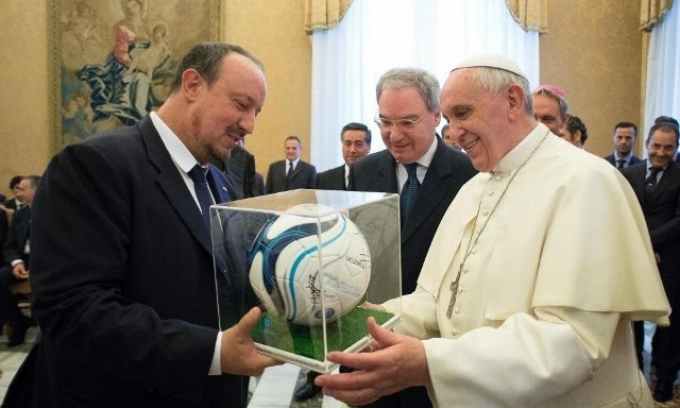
[[651, 180], [620, 164], [203, 193], [409, 193]]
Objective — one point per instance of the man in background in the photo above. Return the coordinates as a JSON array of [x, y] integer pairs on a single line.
[[291, 173], [259, 188], [675, 123], [240, 168], [625, 134], [14, 202], [446, 136], [656, 182], [551, 107], [17, 253], [419, 166], [356, 144], [574, 132]]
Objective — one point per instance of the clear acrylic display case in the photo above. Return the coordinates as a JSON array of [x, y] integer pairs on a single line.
[[293, 246]]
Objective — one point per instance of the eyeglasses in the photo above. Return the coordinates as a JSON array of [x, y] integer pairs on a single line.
[[404, 124]]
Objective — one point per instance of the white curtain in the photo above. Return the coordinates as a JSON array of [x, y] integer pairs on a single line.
[[662, 95], [377, 35]]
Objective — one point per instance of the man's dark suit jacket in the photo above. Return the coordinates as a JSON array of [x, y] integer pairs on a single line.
[[304, 176], [11, 204], [4, 229], [333, 179], [17, 235], [662, 213], [123, 281], [448, 171], [259, 185], [612, 159], [240, 166], [661, 207]]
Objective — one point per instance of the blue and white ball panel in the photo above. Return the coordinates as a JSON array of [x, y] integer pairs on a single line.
[[286, 258]]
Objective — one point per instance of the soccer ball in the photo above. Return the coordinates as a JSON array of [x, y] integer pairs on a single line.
[[290, 250]]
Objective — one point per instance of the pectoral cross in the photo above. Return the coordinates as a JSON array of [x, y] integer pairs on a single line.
[[454, 291]]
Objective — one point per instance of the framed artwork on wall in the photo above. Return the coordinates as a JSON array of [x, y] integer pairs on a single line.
[[112, 61]]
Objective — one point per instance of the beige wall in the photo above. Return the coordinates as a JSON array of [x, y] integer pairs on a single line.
[[25, 145], [274, 32], [593, 51]]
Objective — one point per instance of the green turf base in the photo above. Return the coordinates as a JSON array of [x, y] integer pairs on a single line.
[[289, 338]]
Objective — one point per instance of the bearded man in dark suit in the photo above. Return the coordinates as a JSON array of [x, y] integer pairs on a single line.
[[625, 135], [124, 287], [408, 115]]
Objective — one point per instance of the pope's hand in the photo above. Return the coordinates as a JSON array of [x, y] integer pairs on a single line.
[[398, 362]]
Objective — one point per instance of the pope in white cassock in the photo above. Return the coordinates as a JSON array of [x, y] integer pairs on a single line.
[[530, 285]]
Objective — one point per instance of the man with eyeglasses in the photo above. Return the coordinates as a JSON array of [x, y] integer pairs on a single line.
[[408, 116]]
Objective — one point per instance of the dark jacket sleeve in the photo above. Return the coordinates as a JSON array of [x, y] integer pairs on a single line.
[[12, 249]]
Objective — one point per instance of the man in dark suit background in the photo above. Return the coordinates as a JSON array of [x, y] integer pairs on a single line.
[[16, 265], [259, 188], [240, 168], [675, 122], [551, 107], [625, 134], [356, 144], [122, 267], [656, 182], [14, 202], [291, 173], [408, 115]]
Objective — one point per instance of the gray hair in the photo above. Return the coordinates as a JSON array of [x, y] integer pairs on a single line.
[[398, 78], [495, 80], [564, 104]]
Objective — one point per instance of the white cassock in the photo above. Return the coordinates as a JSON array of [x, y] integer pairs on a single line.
[[547, 294]]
